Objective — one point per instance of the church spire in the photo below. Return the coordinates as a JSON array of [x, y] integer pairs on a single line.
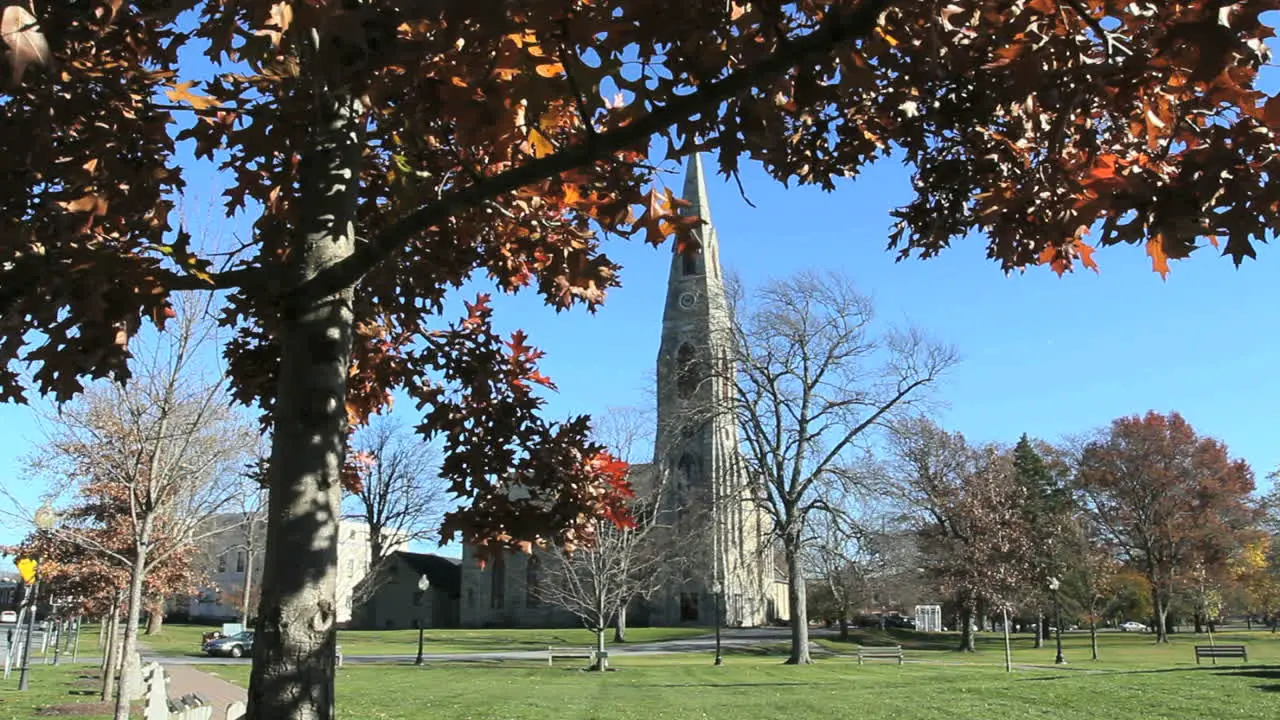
[[705, 261]]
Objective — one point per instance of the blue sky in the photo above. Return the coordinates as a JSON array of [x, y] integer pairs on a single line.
[[1041, 354]]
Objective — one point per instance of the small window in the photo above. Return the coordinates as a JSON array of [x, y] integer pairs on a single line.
[[222, 563], [689, 263], [688, 607], [240, 562], [686, 371], [498, 583], [532, 578]]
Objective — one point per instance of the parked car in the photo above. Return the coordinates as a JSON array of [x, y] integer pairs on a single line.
[[898, 621], [8, 616], [1132, 626], [235, 646]]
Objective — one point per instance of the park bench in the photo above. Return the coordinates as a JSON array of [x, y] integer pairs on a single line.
[[1221, 651], [584, 653], [880, 653]]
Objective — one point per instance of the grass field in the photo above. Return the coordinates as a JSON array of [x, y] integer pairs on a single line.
[[185, 639], [1134, 679]]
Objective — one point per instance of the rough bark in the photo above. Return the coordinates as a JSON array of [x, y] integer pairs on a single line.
[[129, 670], [155, 616], [966, 628], [1039, 643], [248, 584], [844, 627], [1008, 648], [110, 656], [799, 610], [601, 662], [293, 657], [1093, 638], [620, 625], [1162, 617]]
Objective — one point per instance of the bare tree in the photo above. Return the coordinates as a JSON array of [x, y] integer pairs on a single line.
[[151, 460], [401, 497], [598, 582], [813, 376]]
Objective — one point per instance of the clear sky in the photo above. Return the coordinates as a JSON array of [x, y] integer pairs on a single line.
[[1043, 355]]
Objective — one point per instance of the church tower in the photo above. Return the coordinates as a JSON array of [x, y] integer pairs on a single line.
[[696, 449]]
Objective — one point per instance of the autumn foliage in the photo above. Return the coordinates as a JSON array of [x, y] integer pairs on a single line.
[[1167, 499]]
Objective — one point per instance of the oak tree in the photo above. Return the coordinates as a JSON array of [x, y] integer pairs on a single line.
[[387, 150], [1168, 498]]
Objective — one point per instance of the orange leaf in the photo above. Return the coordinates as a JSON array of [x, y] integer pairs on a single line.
[[181, 93], [1159, 260], [550, 70], [1104, 168], [1085, 252]]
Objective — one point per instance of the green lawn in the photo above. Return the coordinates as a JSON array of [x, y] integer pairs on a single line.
[[62, 687], [185, 639], [1134, 680]]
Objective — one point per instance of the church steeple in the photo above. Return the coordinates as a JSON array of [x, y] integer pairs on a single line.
[[706, 259]]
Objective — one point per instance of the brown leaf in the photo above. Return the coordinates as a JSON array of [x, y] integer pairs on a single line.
[[27, 46], [278, 20]]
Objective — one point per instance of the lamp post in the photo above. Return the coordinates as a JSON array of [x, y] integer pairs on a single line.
[[715, 592], [44, 520], [1057, 620], [424, 584]]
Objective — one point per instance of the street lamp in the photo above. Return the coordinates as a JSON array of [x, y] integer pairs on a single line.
[[715, 592], [424, 584], [1057, 619], [44, 520]]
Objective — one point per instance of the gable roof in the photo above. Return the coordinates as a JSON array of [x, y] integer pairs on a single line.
[[443, 572]]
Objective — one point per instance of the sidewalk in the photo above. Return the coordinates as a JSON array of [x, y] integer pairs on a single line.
[[184, 679]]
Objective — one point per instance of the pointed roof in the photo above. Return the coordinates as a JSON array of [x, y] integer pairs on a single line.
[[695, 190]]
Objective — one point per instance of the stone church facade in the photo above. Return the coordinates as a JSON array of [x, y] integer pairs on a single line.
[[705, 496]]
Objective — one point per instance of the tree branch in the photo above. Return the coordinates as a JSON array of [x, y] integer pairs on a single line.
[[840, 28]]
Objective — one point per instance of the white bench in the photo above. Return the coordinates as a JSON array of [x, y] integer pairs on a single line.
[[583, 653], [880, 653]]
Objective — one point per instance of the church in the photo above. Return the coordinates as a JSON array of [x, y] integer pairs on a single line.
[[696, 467]]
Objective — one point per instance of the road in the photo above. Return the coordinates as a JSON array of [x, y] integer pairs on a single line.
[[730, 639]]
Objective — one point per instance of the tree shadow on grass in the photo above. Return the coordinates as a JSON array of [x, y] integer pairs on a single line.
[[736, 685], [1260, 672]]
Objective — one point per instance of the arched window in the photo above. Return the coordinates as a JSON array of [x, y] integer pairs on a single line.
[[689, 262], [532, 578], [498, 583], [686, 371]]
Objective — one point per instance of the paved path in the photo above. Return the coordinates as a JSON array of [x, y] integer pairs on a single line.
[[184, 679]]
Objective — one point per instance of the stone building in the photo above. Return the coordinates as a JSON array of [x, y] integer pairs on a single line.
[[697, 467], [235, 553], [391, 597]]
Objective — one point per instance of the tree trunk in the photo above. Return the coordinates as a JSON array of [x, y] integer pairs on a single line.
[[1008, 647], [130, 678], [602, 661], [1093, 636], [155, 616], [112, 650], [1039, 643], [620, 625], [844, 627], [247, 594], [102, 627], [966, 627], [1162, 617], [293, 655], [799, 613], [1197, 620]]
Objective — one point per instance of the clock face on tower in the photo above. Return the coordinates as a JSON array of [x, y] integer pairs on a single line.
[[687, 300]]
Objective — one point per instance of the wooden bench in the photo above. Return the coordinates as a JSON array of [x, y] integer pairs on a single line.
[[584, 653], [880, 653], [1221, 651]]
